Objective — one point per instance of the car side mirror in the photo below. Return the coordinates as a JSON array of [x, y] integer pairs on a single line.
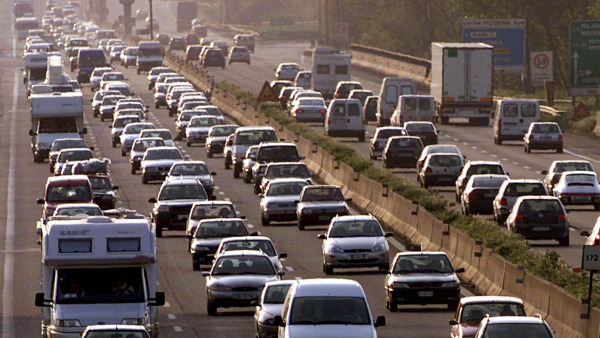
[[159, 299], [302, 156], [281, 273], [389, 234], [205, 274], [282, 139], [452, 322], [242, 217], [186, 157], [91, 148], [322, 236], [115, 187], [31, 133], [213, 173], [40, 201], [84, 130], [152, 200], [348, 200], [213, 198], [278, 321], [40, 300], [459, 270], [544, 172], [507, 174], [254, 233], [585, 233], [380, 321], [91, 100], [283, 255]]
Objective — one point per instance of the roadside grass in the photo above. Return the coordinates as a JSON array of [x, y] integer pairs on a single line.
[[547, 265]]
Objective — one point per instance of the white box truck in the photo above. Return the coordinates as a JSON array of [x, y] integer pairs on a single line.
[[328, 68], [461, 81], [53, 116], [98, 270]]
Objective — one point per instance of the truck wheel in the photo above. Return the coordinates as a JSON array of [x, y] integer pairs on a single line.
[[209, 154], [195, 266]]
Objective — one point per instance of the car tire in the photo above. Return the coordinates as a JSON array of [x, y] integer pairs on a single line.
[[138, 71], [189, 144], [123, 153], [236, 172], [300, 224], [564, 241], [424, 183], [361, 137], [264, 221], [453, 305], [256, 189], [158, 231], [209, 154], [392, 305], [211, 309], [102, 118], [597, 207], [559, 150], [114, 144], [144, 180], [133, 171], [227, 166], [247, 179], [195, 266], [156, 105], [328, 270]]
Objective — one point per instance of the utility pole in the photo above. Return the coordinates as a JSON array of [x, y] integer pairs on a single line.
[[151, 21]]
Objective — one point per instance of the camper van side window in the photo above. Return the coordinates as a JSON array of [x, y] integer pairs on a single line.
[[424, 104], [510, 110], [341, 70], [78, 245], [338, 110], [353, 110], [322, 69], [406, 90], [528, 110], [391, 94], [123, 245], [410, 104]]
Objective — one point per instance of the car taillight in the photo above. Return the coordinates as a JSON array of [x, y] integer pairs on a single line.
[[471, 195], [597, 239], [562, 218], [503, 201], [323, 111], [329, 120], [560, 137], [298, 111], [376, 144], [531, 137], [429, 171], [519, 218], [337, 95], [363, 120]]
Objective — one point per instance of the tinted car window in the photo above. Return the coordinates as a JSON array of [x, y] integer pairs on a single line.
[[339, 110], [422, 263], [445, 161], [221, 229], [259, 245], [425, 104], [546, 128], [485, 169], [285, 189], [322, 194], [359, 228], [353, 109], [324, 310], [189, 169], [473, 313], [182, 191], [516, 330], [524, 189], [510, 110], [528, 110], [387, 133]]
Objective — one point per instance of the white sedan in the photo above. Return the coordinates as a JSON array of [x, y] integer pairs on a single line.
[[578, 188]]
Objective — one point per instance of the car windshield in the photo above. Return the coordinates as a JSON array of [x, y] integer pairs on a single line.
[[537, 206], [58, 125], [275, 294], [356, 228], [472, 314], [329, 310], [422, 263], [163, 154], [189, 169], [63, 144], [79, 210], [545, 128], [221, 229], [142, 145], [252, 137], [203, 122], [243, 265], [485, 169], [286, 188], [222, 131], [76, 155], [387, 133], [322, 195], [100, 183], [260, 244], [445, 161], [516, 330], [524, 189], [288, 170], [213, 211], [69, 193], [572, 166], [182, 192], [277, 154], [111, 100], [580, 179]]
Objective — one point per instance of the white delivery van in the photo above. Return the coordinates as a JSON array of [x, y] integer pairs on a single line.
[[345, 118], [413, 108], [328, 68], [327, 307], [149, 55], [513, 117], [391, 89], [98, 270]]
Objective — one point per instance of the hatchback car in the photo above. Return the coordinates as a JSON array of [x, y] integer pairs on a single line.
[[129, 56], [277, 85], [157, 162], [310, 109], [130, 133], [239, 54], [354, 241], [514, 326], [208, 236], [258, 243], [479, 193], [213, 58], [471, 310], [176, 43], [287, 71], [139, 148], [237, 279], [539, 217], [163, 133], [279, 170], [440, 169], [278, 202], [206, 210], [426, 131], [360, 94], [194, 169], [380, 138], [436, 148], [578, 188], [402, 152], [476, 168], [510, 191], [103, 191], [269, 306], [247, 163], [543, 135], [343, 89], [119, 123], [318, 204], [557, 168], [197, 129], [422, 278], [217, 135]]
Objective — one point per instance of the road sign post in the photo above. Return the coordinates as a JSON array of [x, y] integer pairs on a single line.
[[584, 52], [590, 261], [541, 67], [341, 34]]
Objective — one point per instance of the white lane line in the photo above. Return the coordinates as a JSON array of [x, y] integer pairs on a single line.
[[483, 151], [289, 268], [515, 163], [527, 168], [177, 329], [465, 143], [217, 187], [581, 156], [167, 304], [297, 278], [494, 155], [221, 193], [251, 226], [171, 316], [227, 199], [454, 139], [504, 159], [474, 147], [8, 329]]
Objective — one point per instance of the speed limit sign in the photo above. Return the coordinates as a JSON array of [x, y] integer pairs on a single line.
[[541, 67]]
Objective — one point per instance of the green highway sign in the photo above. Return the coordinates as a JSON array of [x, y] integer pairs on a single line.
[[584, 53]]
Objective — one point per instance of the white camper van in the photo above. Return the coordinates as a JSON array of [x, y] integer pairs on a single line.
[[391, 89], [328, 68], [98, 270]]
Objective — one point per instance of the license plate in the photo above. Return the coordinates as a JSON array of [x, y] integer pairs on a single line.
[[580, 198], [324, 218], [546, 138], [425, 293], [182, 217], [243, 296], [444, 179], [540, 229], [489, 195], [357, 257]]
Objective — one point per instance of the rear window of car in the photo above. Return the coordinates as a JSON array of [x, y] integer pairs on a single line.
[[353, 109], [540, 205], [387, 133], [419, 127], [488, 182], [528, 110], [485, 169], [572, 166], [338, 110], [546, 128], [524, 189], [445, 161]]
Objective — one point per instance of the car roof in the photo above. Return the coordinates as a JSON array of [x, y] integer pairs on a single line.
[[514, 320], [115, 327], [490, 299], [77, 205], [246, 238], [241, 129], [328, 287], [522, 180], [180, 181], [236, 219], [417, 253], [221, 202], [197, 162], [275, 164], [67, 179], [355, 218], [482, 162], [537, 197], [235, 253], [578, 172]]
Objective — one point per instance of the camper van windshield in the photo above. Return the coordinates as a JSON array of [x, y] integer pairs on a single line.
[[99, 285], [57, 126], [37, 74]]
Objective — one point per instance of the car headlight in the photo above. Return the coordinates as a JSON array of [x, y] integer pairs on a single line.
[[132, 321], [398, 285], [379, 247], [335, 249], [42, 145], [68, 323], [219, 287], [453, 284]]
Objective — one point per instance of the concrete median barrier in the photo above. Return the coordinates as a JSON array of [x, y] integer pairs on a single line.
[[564, 314]]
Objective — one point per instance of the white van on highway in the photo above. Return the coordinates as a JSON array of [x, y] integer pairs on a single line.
[[391, 89], [513, 117], [327, 307], [345, 118], [413, 108]]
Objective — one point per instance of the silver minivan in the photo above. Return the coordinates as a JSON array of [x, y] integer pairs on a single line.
[[391, 89], [513, 117], [413, 108], [345, 118], [327, 307]]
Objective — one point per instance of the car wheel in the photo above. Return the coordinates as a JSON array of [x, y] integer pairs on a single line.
[[189, 144], [559, 150], [133, 171], [392, 305], [424, 183], [564, 241], [361, 137], [209, 154], [102, 118], [236, 172], [264, 221], [453, 305], [170, 112], [138, 70], [328, 270], [123, 153], [300, 224], [597, 207], [227, 166], [158, 231], [156, 105], [144, 179], [247, 178], [195, 266], [256, 189], [211, 308], [114, 144]]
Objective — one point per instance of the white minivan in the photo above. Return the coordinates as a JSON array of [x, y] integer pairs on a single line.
[[345, 118], [391, 89], [513, 117], [413, 108], [327, 307]]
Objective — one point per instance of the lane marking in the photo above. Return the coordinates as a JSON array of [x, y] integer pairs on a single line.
[[465, 143], [8, 329], [221, 193], [504, 159], [217, 187], [171, 316], [167, 304], [516, 163], [483, 151], [177, 329], [227, 199], [474, 147], [581, 156], [297, 278], [527, 168], [251, 226], [289, 268], [494, 155]]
